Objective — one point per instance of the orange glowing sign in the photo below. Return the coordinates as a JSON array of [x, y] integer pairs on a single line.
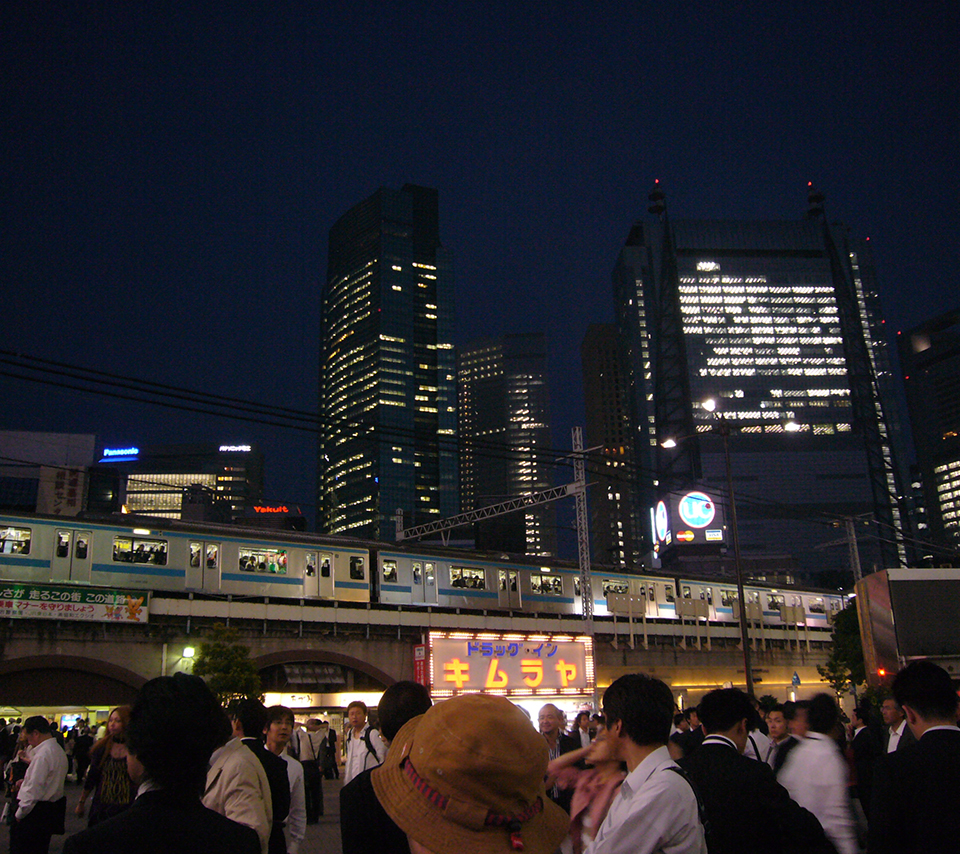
[[510, 664]]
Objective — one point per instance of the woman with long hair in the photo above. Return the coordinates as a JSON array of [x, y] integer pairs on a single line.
[[108, 778]]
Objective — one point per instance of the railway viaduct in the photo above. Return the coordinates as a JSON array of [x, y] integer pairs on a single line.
[[48, 663]]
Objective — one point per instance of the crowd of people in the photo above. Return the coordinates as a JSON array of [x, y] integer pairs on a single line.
[[178, 772]]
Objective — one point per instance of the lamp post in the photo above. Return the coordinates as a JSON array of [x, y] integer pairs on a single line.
[[722, 428]]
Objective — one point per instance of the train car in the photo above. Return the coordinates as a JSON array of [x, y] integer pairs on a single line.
[[166, 555], [819, 607]]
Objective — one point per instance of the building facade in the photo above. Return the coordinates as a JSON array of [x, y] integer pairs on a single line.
[[204, 482], [505, 440], [778, 322], [615, 530], [387, 368], [930, 358]]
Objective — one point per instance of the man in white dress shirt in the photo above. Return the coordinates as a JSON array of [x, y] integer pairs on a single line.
[[277, 733], [41, 805], [365, 748], [655, 811], [816, 774], [898, 734]]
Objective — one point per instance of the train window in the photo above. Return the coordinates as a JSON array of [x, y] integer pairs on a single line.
[[431, 575], [685, 592], [418, 573], [816, 605], [610, 586], [752, 597], [834, 606], [707, 594], [576, 587], [310, 564], [266, 561], [668, 593], [473, 579], [325, 562], [63, 543], [213, 555], [138, 550], [15, 541], [550, 585], [728, 597], [390, 571], [652, 594], [356, 568], [775, 602], [195, 550], [83, 547]]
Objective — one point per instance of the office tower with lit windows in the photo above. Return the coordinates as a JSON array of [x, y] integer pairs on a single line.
[[779, 322], [505, 444], [930, 359], [615, 531], [387, 368]]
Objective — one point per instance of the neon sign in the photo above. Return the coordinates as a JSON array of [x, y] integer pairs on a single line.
[[281, 509], [120, 452], [697, 509], [233, 449]]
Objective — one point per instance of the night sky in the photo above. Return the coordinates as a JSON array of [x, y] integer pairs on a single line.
[[170, 173]]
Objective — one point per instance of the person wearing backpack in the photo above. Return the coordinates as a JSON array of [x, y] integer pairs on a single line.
[[365, 748]]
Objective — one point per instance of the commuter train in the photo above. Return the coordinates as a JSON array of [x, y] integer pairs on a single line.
[[163, 555]]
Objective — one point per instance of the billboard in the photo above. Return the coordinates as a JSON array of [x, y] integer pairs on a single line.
[[513, 665], [689, 518]]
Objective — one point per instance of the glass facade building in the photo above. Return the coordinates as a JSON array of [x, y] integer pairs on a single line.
[[505, 440], [930, 358], [615, 531], [779, 322], [387, 368]]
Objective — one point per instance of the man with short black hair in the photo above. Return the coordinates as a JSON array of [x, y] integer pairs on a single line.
[[364, 825], [815, 775], [365, 748], [41, 805], [175, 724], [249, 718], [655, 809], [748, 810], [277, 732], [916, 796], [897, 734]]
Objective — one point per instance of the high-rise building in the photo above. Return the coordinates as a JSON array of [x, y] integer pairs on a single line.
[[615, 531], [505, 440], [930, 358], [387, 368], [779, 322], [169, 480]]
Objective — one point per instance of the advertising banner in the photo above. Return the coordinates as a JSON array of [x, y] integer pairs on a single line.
[[510, 664], [54, 602]]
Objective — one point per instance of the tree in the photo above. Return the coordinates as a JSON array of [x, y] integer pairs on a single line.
[[226, 667], [845, 669]]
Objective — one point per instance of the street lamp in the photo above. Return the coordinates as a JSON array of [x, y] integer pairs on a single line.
[[722, 428]]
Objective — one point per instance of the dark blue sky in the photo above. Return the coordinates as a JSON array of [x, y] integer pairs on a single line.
[[170, 172]]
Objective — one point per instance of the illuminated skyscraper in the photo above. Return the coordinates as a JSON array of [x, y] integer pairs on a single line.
[[779, 322], [505, 440], [615, 533], [930, 357], [387, 368]]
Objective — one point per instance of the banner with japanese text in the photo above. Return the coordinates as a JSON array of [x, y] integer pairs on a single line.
[[510, 664], [55, 602]]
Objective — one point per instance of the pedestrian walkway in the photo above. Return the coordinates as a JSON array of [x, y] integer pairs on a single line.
[[322, 838]]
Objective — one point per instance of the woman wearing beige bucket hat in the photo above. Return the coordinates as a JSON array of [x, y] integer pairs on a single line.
[[468, 776]]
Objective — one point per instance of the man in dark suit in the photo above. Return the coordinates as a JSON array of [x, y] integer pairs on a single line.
[[249, 719], [867, 747], [174, 726], [916, 792], [747, 808], [558, 743], [364, 824], [797, 725], [897, 734]]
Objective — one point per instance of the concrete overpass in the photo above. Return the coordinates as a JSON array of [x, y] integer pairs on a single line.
[[54, 664]]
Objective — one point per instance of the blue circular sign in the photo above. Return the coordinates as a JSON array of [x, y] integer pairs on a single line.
[[697, 509], [660, 520]]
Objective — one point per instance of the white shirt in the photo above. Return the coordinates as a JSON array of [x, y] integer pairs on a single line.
[[295, 825], [358, 757], [815, 775], [763, 745], [44, 778], [895, 733], [654, 812], [584, 737]]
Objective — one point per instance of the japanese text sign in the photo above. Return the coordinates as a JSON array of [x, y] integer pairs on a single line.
[[51, 602]]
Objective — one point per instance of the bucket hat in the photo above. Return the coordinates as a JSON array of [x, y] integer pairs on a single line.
[[468, 776]]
